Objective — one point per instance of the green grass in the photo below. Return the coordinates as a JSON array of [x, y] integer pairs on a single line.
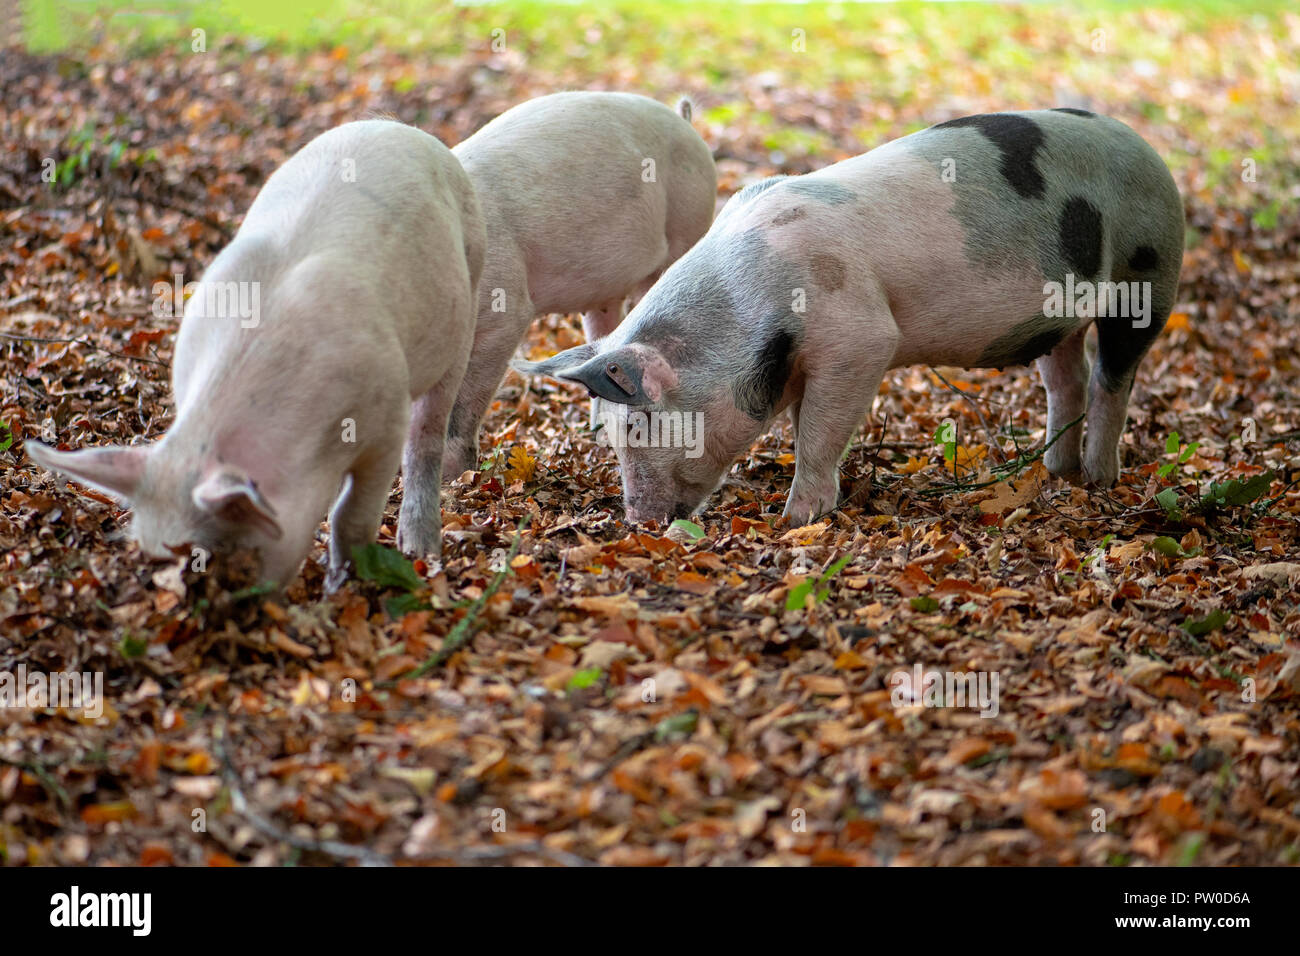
[[913, 58], [675, 31]]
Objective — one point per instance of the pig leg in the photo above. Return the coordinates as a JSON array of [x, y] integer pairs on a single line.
[[598, 323], [496, 337], [834, 403], [358, 512], [1065, 376], [419, 523]]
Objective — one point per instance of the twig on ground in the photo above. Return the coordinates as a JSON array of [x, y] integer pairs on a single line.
[[979, 412], [86, 342], [38, 771], [465, 627], [1015, 466], [244, 808]]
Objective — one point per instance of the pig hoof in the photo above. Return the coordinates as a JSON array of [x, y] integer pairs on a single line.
[[335, 577], [1073, 475], [1064, 466], [806, 508], [416, 545], [1101, 476], [455, 462]]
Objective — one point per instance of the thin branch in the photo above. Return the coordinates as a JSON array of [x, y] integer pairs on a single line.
[[988, 432], [465, 627], [244, 808], [38, 771], [1015, 466], [83, 341]]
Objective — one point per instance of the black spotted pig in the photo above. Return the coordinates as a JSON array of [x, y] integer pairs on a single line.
[[971, 243], [587, 197], [361, 255]]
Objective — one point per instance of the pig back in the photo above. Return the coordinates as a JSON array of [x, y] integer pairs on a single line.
[[369, 239], [591, 188]]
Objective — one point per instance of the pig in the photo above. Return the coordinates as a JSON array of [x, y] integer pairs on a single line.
[[967, 244], [338, 320], [587, 197]]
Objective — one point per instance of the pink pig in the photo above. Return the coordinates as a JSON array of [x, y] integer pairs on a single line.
[[587, 198], [338, 321]]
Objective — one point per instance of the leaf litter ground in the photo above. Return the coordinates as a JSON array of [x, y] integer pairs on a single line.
[[647, 695]]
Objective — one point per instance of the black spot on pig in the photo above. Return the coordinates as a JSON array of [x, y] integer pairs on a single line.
[[825, 190], [757, 390], [1025, 342], [1080, 236], [789, 215], [827, 271], [1144, 259], [1017, 139], [1072, 111]]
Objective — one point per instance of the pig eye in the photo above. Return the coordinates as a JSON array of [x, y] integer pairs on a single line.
[[620, 378]]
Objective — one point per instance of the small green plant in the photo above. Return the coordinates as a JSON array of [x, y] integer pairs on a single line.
[[1098, 551], [385, 567], [1212, 622], [584, 678], [131, 646], [1191, 849], [1172, 549], [677, 726], [6, 436], [1233, 493], [945, 436], [1168, 500], [389, 568], [81, 152], [1174, 446], [797, 599], [690, 528]]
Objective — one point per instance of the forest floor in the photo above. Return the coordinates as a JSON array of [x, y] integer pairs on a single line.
[[720, 693]]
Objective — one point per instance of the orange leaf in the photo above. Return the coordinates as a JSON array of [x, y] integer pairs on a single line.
[[694, 583], [108, 812]]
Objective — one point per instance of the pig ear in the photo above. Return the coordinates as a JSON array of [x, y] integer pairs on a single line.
[[231, 496], [115, 470], [553, 366], [632, 375]]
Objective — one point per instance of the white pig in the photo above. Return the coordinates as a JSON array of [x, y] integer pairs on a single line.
[[587, 197], [981, 242], [337, 321]]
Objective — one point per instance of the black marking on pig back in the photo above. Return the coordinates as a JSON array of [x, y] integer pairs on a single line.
[[827, 271], [1025, 342], [758, 390], [1072, 111], [825, 190], [1080, 236], [1144, 259], [788, 215], [1017, 139]]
